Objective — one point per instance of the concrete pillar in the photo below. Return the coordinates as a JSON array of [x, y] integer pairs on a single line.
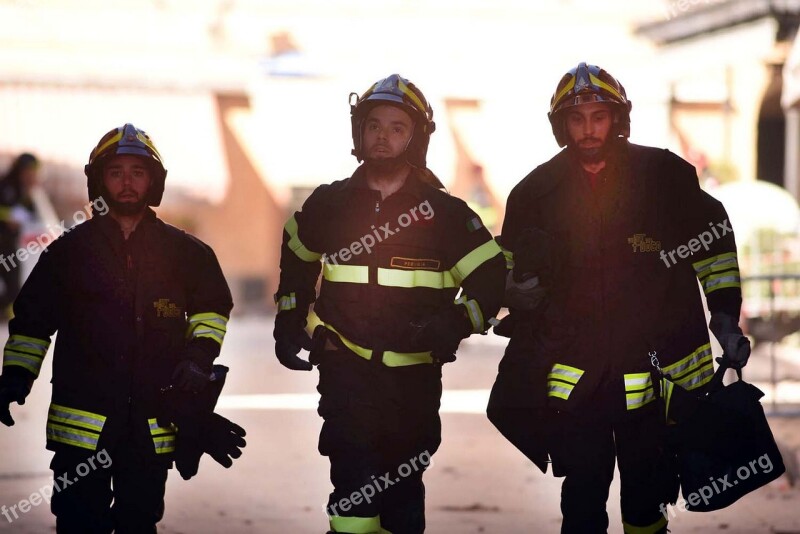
[[792, 159]]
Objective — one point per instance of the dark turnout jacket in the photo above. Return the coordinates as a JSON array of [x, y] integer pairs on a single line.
[[630, 250], [126, 312], [387, 264]]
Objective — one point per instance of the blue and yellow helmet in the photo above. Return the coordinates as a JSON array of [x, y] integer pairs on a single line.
[[586, 84], [126, 139], [397, 91]]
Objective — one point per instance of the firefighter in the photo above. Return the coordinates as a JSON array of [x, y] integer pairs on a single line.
[[394, 249], [628, 234], [139, 306]]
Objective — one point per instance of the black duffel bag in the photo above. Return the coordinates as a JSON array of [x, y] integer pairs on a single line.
[[722, 441]]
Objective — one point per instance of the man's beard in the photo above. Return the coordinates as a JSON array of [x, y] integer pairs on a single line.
[[385, 165], [591, 155], [127, 207]]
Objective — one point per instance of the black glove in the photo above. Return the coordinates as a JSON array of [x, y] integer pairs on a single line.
[[442, 333], [15, 384], [291, 336], [190, 376], [214, 435], [735, 345], [222, 439]]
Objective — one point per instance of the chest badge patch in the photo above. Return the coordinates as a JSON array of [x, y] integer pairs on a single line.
[[642, 243], [165, 308], [415, 263]]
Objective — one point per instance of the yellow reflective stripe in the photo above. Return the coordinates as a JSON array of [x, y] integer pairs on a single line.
[[701, 356], [410, 94], [356, 525], [415, 278], [698, 378], [208, 324], [566, 373], [649, 529], [354, 274], [28, 345], [464, 267], [473, 312], [297, 246], [600, 83], [721, 281], [107, 144], [639, 399], [5, 213], [565, 90], [635, 381], [509, 256], [287, 302], [156, 430], [390, 358], [667, 388], [72, 436], [80, 418], [164, 444], [559, 389], [31, 363], [720, 262]]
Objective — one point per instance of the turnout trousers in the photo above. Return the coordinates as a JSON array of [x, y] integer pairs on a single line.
[[381, 427], [584, 449], [121, 490]]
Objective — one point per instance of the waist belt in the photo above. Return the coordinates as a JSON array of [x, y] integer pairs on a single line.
[[390, 358]]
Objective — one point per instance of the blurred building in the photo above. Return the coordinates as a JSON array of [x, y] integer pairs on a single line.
[[248, 99]]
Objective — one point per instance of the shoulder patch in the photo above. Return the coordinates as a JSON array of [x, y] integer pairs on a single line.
[[474, 223]]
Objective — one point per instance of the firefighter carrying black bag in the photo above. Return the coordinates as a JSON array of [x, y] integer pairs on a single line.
[[712, 475]]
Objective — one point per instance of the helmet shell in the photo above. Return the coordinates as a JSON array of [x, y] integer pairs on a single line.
[[396, 91], [586, 84], [126, 139]]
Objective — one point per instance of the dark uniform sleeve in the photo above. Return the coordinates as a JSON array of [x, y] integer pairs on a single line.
[[717, 264], [208, 306], [477, 266], [301, 252], [36, 313]]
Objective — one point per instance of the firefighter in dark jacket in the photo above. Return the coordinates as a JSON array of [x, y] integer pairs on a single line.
[[394, 249], [628, 235], [139, 306]]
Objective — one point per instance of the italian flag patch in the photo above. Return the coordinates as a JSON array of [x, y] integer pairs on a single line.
[[474, 224]]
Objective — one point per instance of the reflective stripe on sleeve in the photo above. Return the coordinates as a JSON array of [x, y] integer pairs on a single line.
[[208, 324], [718, 272], [474, 313], [481, 254], [509, 256], [25, 351], [287, 302], [297, 246]]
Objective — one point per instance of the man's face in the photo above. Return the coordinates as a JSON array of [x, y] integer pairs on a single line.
[[387, 132], [127, 180], [588, 126]]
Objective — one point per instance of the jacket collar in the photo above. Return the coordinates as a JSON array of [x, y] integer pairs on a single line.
[[413, 185]]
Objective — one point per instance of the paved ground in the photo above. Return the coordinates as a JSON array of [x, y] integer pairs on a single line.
[[478, 482]]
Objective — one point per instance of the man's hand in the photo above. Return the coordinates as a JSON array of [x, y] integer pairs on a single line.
[[14, 387], [290, 337], [189, 376], [442, 333], [524, 296]]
